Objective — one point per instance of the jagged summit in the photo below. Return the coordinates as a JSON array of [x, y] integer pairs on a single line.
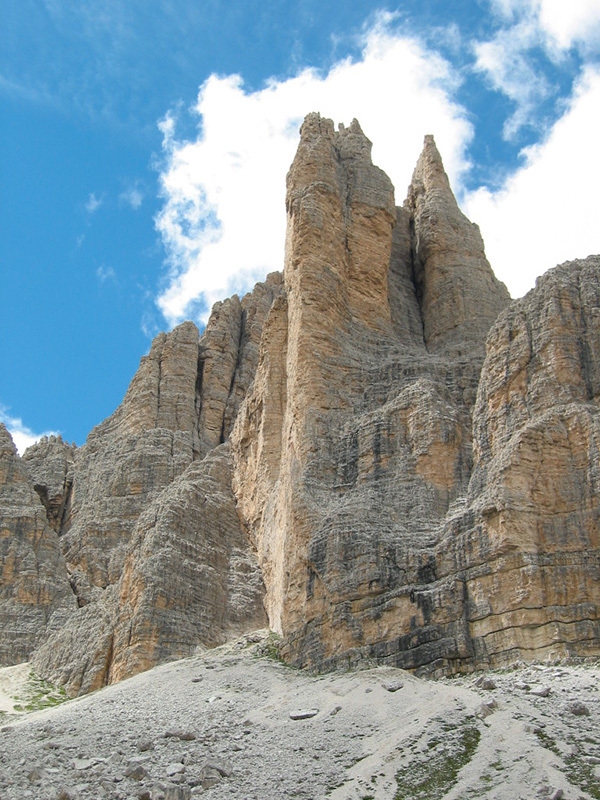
[[338, 456], [460, 296]]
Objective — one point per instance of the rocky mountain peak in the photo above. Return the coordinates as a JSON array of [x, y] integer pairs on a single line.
[[336, 455], [429, 174], [6, 443], [459, 295]]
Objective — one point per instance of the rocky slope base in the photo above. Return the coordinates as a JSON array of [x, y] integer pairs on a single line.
[[228, 723], [340, 456]]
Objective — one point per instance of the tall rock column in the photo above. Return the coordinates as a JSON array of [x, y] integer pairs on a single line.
[[341, 215], [460, 296]]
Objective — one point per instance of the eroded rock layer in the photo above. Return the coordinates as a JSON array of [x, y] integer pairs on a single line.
[[337, 456], [370, 439]]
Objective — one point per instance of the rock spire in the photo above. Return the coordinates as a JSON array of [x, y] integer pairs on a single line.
[[376, 453]]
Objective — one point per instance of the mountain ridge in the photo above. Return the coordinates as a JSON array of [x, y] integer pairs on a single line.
[[339, 456]]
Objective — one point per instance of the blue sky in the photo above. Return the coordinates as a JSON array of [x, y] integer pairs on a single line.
[[144, 146]]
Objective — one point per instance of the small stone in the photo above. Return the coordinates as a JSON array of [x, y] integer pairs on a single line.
[[64, 794], [541, 691], [335, 711], [177, 793], [578, 708], [210, 776], [83, 763], [224, 769], [144, 745], [485, 682], [175, 769], [392, 686], [532, 729], [487, 708], [185, 736], [136, 772], [304, 713]]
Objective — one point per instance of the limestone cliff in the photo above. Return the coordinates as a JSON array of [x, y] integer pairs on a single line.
[[340, 456], [35, 595], [370, 435]]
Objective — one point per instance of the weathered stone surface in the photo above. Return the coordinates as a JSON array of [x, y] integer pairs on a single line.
[[345, 473], [534, 495], [460, 297], [178, 407], [135, 453], [35, 595], [161, 568], [228, 357], [49, 464], [78, 655], [189, 577], [337, 435]]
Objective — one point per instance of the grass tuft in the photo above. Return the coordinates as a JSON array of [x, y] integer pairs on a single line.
[[430, 778], [38, 694]]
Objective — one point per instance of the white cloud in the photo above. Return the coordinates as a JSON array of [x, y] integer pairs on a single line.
[[22, 436], [223, 220], [505, 61], [564, 23], [93, 203], [106, 273], [552, 26], [570, 22], [133, 196], [548, 211]]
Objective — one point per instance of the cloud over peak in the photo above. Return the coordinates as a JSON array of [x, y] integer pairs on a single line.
[[223, 219], [222, 222]]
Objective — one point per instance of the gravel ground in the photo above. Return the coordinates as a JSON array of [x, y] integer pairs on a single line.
[[231, 723]]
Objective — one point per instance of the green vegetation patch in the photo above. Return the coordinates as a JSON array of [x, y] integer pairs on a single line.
[[430, 777], [38, 694], [578, 771], [271, 648]]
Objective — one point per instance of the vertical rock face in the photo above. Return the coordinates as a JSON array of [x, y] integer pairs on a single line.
[[135, 536], [338, 456], [35, 595], [49, 464], [534, 524], [344, 474], [460, 297]]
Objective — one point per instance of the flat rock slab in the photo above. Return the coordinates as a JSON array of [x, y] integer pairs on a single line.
[[81, 764], [304, 713]]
